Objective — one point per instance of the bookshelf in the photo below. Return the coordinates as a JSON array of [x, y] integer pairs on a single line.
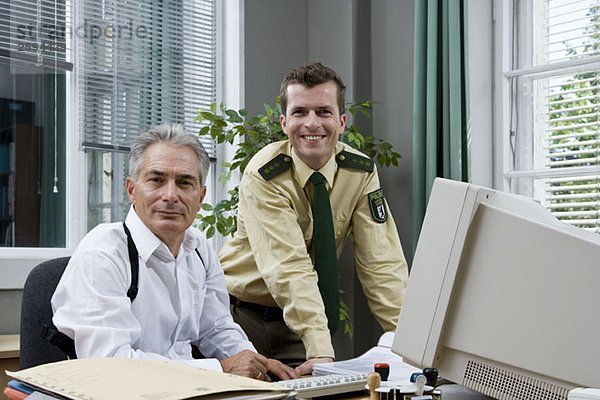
[[20, 174], [9, 356]]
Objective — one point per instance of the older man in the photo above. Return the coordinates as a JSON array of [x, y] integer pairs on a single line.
[[181, 300]]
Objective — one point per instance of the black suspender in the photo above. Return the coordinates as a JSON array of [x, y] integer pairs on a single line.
[[134, 262], [200, 257], [65, 343]]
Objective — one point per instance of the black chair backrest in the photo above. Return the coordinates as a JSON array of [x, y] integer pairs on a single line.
[[36, 312]]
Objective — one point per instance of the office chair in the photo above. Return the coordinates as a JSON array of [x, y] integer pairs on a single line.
[[41, 342], [36, 312]]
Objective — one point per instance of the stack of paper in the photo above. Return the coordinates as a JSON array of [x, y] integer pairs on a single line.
[[121, 378], [382, 353]]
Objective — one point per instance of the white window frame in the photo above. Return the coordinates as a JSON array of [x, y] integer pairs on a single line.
[[502, 50], [16, 263], [230, 87], [503, 170], [481, 63]]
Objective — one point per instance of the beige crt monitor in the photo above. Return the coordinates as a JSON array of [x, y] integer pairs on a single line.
[[502, 298]]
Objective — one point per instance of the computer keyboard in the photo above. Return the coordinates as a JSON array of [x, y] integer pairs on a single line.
[[324, 385]]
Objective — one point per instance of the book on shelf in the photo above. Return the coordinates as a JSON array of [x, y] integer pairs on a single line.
[[111, 378], [14, 394]]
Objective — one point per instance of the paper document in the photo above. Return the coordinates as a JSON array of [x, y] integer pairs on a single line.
[[399, 370], [122, 378]]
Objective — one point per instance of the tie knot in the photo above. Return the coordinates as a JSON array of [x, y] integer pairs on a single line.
[[317, 178]]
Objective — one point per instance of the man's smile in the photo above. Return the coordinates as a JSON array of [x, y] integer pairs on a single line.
[[171, 213], [313, 137]]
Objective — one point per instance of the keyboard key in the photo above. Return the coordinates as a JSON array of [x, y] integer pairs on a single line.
[[316, 386]]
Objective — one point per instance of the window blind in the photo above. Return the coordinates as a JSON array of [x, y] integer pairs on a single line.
[[143, 63], [557, 104], [572, 117], [36, 33]]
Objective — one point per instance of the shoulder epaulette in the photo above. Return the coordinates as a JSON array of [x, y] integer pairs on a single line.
[[276, 166], [352, 160]]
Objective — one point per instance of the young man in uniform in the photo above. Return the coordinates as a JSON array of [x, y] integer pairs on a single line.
[[299, 202]]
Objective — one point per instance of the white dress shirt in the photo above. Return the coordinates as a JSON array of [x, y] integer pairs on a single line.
[[180, 300]]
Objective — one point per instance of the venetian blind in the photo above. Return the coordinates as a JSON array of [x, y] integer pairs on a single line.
[[144, 62], [36, 34], [563, 82]]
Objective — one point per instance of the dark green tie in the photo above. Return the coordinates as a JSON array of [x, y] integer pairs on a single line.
[[325, 257]]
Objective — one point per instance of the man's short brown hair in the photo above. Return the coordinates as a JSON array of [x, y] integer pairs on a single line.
[[310, 75]]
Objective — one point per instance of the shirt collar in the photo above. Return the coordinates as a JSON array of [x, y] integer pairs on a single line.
[[147, 242], [303, 171]]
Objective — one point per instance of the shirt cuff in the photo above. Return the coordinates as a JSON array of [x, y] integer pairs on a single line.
[[207, 363], [318, 344]]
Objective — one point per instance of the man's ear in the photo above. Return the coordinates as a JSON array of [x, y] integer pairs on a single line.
[[130, 186], [282, 122], [202, 194], [343, 119]]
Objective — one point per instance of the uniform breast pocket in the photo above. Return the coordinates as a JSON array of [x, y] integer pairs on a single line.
[[340, 231], [341, 227]]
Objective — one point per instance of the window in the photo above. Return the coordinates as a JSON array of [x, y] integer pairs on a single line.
[[553, 117], [63, 73], [140, 63], [35, 62]]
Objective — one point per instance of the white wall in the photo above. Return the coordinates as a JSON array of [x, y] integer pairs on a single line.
[[392, 48], [275, 40], [369, 43], [281, 35]]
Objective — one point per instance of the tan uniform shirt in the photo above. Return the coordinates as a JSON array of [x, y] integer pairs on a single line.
[[268, 261]]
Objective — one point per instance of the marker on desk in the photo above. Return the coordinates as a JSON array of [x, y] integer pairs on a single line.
[[383, 369], [373, 381], [420, 382], [432, 375]]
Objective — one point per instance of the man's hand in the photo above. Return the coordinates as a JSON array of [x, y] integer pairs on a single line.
[[281, 370], [307, 367], [247, 363], [253, 365]]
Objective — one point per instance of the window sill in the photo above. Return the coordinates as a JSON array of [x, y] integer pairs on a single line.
[[16, 263]]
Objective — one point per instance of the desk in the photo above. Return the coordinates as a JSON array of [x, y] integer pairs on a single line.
[[457, 392], [449, 392], [9, 356], [9, 359]]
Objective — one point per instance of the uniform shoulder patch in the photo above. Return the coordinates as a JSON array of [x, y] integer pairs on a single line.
[[347, 159], [377, 206], [276, 166]]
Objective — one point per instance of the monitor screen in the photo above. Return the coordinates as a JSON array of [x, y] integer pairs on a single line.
[[502, 298]]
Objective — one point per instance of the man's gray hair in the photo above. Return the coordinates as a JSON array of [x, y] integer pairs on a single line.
[[173, 134]]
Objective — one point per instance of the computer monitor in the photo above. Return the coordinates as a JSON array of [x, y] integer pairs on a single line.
[[502, 297]]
